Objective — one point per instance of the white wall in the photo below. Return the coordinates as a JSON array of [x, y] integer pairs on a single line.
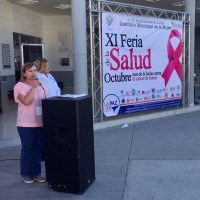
[[6, 34], [27, 22], [53, 25], [14, 18]]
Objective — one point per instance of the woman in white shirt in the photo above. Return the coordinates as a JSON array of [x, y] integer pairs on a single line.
[[46, 78]]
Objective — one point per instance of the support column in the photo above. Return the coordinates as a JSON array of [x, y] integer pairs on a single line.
[[190, 9], [79, 40]]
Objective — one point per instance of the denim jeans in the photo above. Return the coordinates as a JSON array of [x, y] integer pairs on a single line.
[[32, 139]]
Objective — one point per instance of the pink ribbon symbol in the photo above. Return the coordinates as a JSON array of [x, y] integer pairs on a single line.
[[173, 56]]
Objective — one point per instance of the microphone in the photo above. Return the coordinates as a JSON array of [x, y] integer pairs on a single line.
[[37, 79]]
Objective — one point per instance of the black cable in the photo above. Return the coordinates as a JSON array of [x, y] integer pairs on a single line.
[[9, 159], [44, 93]]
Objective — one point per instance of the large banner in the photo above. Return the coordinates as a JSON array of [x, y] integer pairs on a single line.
[[142, 63]]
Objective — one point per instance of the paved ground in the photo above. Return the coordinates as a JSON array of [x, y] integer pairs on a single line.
[[157, 159]]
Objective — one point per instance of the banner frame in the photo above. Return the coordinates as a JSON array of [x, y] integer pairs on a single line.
[[95, 10]]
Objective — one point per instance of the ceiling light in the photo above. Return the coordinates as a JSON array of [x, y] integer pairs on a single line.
[[153, 1], [62, 6], [27, 2], [180, 3]]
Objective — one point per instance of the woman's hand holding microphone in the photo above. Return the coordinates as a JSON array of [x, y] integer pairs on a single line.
[[37, 82]]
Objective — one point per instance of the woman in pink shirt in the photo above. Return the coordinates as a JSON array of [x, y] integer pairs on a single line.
[[28, 93]]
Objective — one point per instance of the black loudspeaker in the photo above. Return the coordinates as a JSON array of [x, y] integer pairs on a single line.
[[69, 143]]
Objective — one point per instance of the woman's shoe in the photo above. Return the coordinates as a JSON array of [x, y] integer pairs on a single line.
[[39, 179], [27, 179]]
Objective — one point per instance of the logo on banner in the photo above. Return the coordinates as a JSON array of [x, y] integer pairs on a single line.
[[111, 105], [109, 20]]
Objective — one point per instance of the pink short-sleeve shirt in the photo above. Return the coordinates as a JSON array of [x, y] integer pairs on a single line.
[[29, 116]]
